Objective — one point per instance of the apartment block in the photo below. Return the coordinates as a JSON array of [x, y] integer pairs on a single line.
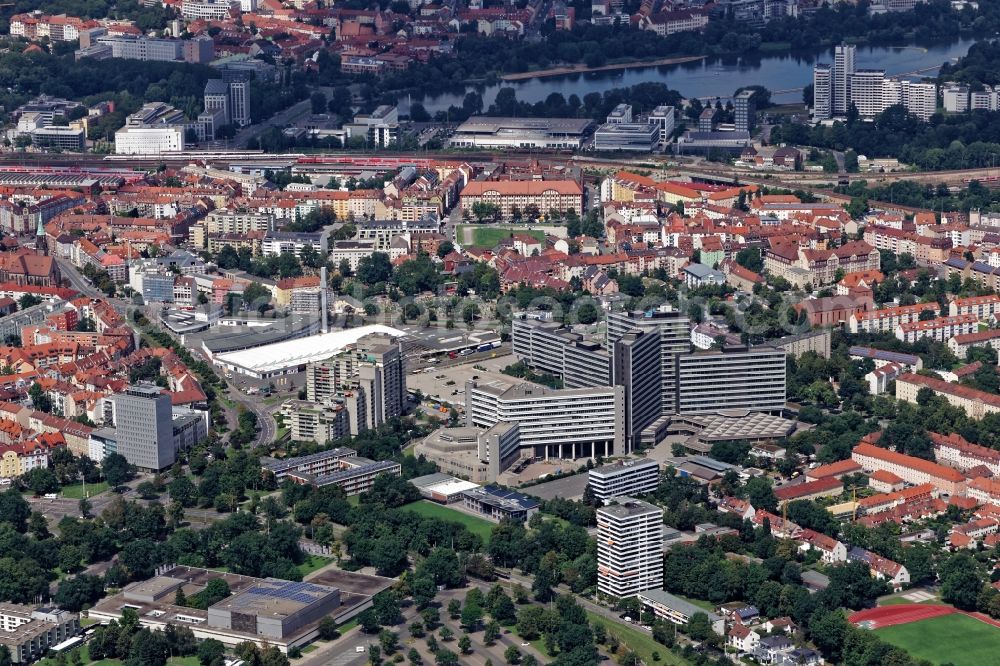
[[29, 633], [750, 378], [630, 477], [822, 91], [843, 71], [554, 348], [506, 195], [340, 467], [955, 451], [914, 471], [376, 366], [674, 330], [310, 422], [941, 329], [886, 320], [629, 547], [983, 307], [973, 402]]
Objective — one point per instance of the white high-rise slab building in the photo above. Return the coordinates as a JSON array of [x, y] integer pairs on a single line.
[[866, 91], [822, 91], [629, 547], [843, 68]]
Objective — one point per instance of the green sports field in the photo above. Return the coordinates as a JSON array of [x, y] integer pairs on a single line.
[[472, 235], [475, 525], [957, 639]]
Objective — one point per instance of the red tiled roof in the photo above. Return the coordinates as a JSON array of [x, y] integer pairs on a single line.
[[912, 462]]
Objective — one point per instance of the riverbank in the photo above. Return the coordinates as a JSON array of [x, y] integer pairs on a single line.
[[579, 69]]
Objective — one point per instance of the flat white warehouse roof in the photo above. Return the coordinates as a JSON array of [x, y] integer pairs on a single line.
[[291, 353], [452, 487]]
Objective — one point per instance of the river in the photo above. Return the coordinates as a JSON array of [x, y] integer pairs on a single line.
[[720, 77]]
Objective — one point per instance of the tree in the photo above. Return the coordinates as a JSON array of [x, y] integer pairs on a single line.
[[512, 655], [147, 648], [491, 633], [318, 102], [211, 652], [328, 629], [14, 509], [40, 481], [962, 587], [374, 268], [39, 398], [78, 592], [760, 494], [445, 248], [588, 313], [454, 609], [472, 613], [388, 640], [116, 469], [441, 567], [423, 590], [368, 621], [698, 627], [464, 644], [445, 657], [502, 609]]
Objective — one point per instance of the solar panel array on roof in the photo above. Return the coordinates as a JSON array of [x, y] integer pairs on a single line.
[[303, 593], [884, 355]]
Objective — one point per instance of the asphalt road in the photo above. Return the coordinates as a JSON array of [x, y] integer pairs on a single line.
[[279, 119]]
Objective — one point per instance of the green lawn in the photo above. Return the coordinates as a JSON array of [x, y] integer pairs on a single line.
[[347, 626], [84, 652], [489, 236], [639, 641], [76, 490], [956, 639], [475, 525], [896, 601], [183, 661], [312, 563], [700, 603]]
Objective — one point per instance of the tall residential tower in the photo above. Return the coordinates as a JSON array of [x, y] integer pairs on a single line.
[[629, 547], [844, 57]]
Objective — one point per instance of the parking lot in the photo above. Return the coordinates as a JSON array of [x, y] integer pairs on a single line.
[[448, 383], [567, 487]]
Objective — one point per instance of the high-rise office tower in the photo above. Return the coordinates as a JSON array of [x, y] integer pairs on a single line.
[[145, 429], [843, 68], [239, 102], [629, 547], [636, 366], [744, 111], [822, 91], [675, 339], [743, 378], [217, 97]]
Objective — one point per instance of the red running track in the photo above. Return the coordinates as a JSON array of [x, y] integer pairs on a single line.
[[887, 616]]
